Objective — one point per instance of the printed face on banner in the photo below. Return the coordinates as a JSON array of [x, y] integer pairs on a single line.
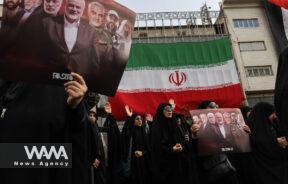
[[45, 40], [221, 130]]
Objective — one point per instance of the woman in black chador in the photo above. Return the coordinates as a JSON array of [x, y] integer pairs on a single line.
[[165, 148], [268, 146], [187, 157], [135, 152]]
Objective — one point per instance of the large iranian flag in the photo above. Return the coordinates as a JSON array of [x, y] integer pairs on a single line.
[[187, 72]]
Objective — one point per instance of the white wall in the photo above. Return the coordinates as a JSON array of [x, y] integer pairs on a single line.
[[252, 58], [1, 9]]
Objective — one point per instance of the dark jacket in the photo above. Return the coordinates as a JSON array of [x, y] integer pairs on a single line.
[[83, 57], [39, 114]]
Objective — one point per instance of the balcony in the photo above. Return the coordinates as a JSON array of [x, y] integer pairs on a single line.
[[169, 27]]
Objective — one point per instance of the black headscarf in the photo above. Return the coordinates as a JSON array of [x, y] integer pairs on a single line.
[[163, 138], [204, 104], [114, 148], [244, 111], [131, 131], [160, 124], [268, 157], [134, 138], [258, 120], [182, 128], [161, 120]]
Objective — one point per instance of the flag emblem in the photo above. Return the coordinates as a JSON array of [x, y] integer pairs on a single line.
[[177, 78]]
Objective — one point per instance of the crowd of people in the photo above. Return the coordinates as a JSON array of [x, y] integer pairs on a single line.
[[163, 149]]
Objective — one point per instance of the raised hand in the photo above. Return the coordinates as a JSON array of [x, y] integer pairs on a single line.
[[172, 103], [128, 110], [96, 163], [195, 128], [108, 108], [282, 142], [76, 90], [149, 117]]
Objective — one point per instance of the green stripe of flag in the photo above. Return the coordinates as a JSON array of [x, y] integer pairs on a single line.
[[195, 54]]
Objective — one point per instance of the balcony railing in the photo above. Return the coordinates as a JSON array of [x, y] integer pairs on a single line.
[[168, 27]]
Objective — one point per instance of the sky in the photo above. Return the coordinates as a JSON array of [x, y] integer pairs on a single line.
[[145, 6]]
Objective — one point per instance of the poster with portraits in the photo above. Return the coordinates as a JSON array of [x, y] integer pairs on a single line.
[[45, 40], [220, 130]]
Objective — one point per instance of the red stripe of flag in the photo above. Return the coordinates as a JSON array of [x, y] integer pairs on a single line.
[[147, 102], [281, 3]]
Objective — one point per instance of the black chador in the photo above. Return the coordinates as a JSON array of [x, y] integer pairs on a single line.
[[166, 167], [135, 152], [268, 158]]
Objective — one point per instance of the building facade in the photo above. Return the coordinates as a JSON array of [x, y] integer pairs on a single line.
[[253, 47]]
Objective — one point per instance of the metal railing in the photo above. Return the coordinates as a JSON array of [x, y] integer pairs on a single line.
[[169, 27]]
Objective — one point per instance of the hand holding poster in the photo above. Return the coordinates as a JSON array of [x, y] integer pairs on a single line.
[[45, 41], [220, 130]]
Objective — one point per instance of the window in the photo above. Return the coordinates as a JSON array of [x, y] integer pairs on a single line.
[[245, 23], [258, 71], [252, 46], [254, 99], [143, 35], [183, 33]]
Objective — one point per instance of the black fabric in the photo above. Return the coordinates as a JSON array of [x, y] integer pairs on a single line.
[[10, 91], [126, 135], [163, 137], [244, 111], [268, 158], [204, 104], [217, 167], [275, 18], [39, 114], [187, 158], [114, 149], [243, 166], [140, 167], [97, 152], [281, 92]]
